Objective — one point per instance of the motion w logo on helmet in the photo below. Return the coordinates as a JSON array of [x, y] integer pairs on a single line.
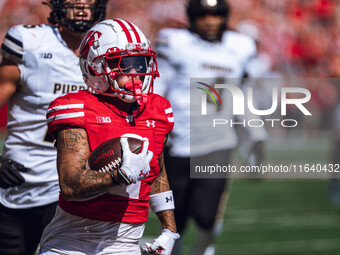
[[91, 37]]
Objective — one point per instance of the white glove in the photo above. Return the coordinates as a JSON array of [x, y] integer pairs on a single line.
[[136, 166], [163, 244]]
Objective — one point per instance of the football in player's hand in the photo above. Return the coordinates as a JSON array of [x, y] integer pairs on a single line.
[[108, 155]]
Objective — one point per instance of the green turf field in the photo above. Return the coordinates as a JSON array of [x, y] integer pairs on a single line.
[[270, 217], [275, 217]]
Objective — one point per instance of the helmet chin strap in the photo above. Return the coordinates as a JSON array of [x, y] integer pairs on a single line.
[[136, 87]]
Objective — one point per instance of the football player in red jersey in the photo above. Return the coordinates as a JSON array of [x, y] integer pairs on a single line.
[[105, 212], [39, 63]]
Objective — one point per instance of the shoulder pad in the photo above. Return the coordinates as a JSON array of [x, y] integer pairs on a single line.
[[65, 112], [240, 41], [165, 110], [12, 46]]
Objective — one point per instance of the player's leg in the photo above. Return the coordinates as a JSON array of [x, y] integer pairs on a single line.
[[209, 197], [11, 232], [36, 220], [70, 234], [180, 183]]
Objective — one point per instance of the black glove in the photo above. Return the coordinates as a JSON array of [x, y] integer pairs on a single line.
[[256, 154], [10, 173]]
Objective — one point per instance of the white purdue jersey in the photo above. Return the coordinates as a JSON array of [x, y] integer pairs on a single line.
[[184, 55], [48, 68]]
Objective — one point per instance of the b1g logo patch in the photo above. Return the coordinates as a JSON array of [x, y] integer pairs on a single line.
[[103, 119], [45, 55]]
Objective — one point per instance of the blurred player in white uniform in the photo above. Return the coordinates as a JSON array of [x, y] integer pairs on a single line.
[[261, 69], [205, 50], [39, 63]]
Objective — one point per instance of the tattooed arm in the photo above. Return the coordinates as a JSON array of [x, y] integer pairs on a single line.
[[77, 183], [161, 184]]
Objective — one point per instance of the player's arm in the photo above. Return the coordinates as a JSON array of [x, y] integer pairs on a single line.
[[76, 182], [10, 175], [162, 203], [256, 137], [161, 185], [9, 80], [12, 51]]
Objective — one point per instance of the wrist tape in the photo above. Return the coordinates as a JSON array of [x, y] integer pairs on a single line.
[[162, 201], [168, 232]]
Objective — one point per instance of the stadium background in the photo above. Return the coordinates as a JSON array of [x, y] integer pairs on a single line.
[[302, 39]]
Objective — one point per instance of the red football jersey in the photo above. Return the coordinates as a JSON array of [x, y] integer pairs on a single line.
[[103, 121]]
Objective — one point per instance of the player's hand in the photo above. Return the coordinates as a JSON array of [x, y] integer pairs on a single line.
[[256, 154], [136, 166], [163, 244], [10, 173]]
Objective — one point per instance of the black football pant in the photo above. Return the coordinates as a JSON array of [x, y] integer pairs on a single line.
[[196, 198], [21, 229]]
